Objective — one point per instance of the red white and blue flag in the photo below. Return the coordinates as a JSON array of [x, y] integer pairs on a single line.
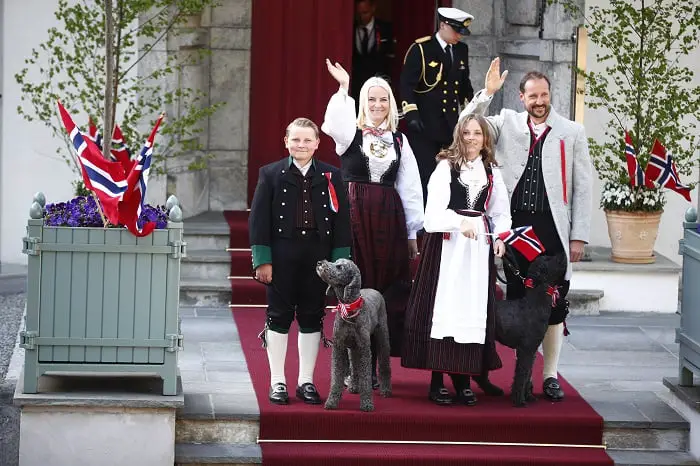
[[633, 167], [93, 133], [119, 151], [662, 170], [524, 240], [137, 181], [332, 196], [106, 179]]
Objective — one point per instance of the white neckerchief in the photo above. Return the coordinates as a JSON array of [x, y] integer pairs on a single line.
[[537, 129], [303, 169]]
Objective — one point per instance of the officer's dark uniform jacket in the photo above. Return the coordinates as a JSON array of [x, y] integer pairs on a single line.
[[433, 92], [273, 212]]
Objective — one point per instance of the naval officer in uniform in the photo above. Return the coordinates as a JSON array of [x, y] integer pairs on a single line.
[[434, 86]]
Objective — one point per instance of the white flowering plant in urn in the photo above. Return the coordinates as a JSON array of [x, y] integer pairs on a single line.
[[649, 99]]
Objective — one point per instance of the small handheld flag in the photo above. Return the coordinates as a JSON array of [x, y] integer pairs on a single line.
[[333, 198], [524, 240]]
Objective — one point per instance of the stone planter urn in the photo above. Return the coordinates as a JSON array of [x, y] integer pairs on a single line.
[[100, 300], [633, 235]]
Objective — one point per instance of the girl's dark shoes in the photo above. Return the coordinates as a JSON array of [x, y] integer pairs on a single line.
[[440, 396], [278, 394], [465, 396]]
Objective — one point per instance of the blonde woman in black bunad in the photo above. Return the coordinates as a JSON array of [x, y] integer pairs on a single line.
[[384, 191]]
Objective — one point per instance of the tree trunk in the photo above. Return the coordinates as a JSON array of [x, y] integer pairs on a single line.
[[109, 80]]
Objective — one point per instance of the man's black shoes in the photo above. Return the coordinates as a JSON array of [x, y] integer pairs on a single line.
[[552, 390], [278, 394], [308, 394]]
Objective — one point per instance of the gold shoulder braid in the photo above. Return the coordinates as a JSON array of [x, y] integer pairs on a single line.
[[429, 87]]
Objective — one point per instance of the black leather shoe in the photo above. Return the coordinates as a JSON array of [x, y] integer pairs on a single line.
[[465, 397], [552, 389], [308, 394], [278, 394], [440, 396], [488, 388]]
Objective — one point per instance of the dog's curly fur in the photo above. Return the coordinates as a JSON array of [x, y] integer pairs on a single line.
[[522, 323], [351, 338]]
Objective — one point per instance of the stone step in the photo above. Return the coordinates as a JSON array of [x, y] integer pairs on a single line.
[[584, 302], [205, 292], [657, 458], [191, 454], [203, 240], [206, 263]]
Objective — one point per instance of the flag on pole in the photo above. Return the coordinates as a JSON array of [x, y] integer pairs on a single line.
[[106, 179], [662, 170], [137, 182], [524, 240], [633, 167]]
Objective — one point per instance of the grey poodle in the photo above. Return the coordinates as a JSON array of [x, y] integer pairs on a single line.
[[361, 316], [522, 323]]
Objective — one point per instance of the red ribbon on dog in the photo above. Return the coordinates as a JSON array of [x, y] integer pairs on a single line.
[[553, 291], [349, 310]]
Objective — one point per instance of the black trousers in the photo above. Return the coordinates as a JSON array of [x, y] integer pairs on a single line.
[[296, 290], [543, 225], [425, 150]]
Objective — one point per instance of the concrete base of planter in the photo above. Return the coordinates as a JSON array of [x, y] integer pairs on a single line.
[[97, 420]]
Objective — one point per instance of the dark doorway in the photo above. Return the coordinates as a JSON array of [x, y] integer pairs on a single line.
[[409, 20], [290, 40]]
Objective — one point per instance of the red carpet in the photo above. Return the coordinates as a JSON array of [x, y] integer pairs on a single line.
[[410, 416]]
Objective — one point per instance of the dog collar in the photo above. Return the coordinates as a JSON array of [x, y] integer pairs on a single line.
[[349, 310]]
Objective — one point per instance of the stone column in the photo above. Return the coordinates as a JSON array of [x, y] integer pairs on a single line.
[[229, 81], [511, 29]]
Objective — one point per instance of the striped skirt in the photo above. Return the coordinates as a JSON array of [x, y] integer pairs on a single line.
[[444, 355], [380, 250]]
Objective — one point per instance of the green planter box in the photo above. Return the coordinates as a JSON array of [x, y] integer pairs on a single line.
[[688, 334], [100, 300]]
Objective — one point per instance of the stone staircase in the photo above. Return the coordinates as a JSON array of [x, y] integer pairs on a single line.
[[220, 421]]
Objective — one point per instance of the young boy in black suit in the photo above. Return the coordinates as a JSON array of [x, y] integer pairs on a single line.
[[299, 216]]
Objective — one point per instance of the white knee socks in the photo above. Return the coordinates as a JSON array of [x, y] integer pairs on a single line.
[[308, 351], [551, 348], [276, 355]]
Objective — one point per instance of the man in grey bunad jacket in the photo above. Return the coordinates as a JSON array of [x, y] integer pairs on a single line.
[[547, 171]]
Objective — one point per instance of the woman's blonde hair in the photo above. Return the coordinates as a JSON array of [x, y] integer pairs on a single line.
[[456, 154], [363, 110]]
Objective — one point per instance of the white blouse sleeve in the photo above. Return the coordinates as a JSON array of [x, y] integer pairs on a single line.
[[437, 216], [339, 121], [408, 186], [498, 210]]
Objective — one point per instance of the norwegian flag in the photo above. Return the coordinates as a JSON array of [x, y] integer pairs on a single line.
[[119, 151], [106, 179], [137, 181], [633, 167], [94, 133], [662, 171], [524, 240]]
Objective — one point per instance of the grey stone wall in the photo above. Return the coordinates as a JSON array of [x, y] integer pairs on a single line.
[[223, 77], [510, 29]]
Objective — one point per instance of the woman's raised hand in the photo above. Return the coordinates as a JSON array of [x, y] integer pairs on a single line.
[[339, 74], [494, 78]]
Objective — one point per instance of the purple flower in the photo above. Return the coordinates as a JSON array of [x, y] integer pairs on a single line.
[[82, 211]]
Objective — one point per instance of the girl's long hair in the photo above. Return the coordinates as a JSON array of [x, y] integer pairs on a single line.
[[456, 154]]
